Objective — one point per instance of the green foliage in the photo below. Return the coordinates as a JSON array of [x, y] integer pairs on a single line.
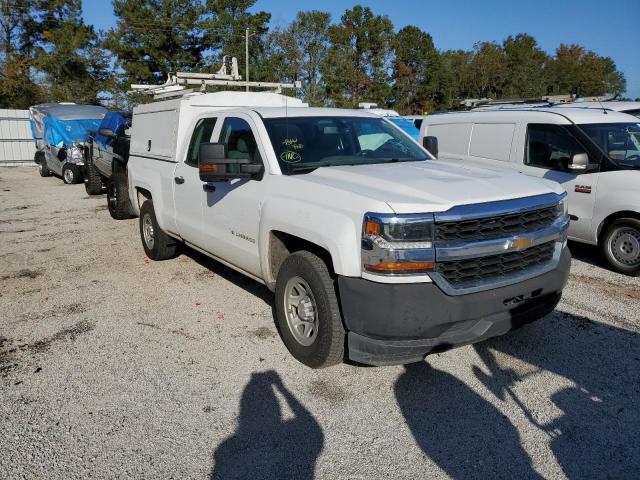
[[574, 69], [67, 52], [357, 64], [299, 51], [48, 53], [420, 81]]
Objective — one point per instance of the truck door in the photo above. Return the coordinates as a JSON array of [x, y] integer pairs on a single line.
[[187, 187], [231, 209], [547, 151]]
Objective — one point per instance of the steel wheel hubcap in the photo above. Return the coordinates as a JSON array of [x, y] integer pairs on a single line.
[[68, 175], [625, 246], [301, 311], [147, 231]]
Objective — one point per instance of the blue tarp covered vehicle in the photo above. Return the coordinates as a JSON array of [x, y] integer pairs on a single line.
[[117, 122], [60, 131], [407, 125]]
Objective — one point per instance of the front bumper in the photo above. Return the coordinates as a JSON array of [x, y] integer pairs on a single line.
[[401, 323]]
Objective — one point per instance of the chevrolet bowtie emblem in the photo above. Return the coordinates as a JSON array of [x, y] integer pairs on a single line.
[[520, 243]]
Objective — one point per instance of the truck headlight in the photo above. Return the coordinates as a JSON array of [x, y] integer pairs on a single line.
[[562, 208], [75, 154], [397, 244]]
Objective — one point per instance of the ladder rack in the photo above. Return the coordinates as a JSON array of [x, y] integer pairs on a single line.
[[228, 76]]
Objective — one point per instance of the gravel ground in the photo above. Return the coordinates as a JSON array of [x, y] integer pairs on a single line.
[[114, 366]]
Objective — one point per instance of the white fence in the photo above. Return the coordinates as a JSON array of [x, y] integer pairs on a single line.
[[16, 141]]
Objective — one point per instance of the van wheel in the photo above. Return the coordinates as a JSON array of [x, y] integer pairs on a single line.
[[118, 194], [157, 244], [92, 179], [71, 174], [307, 312], [42, 168], [621, 246]]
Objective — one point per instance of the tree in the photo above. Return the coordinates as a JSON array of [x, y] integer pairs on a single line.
[[155, 37], [420, 81], [300, 50], [17, 88], [225, 33], [67, 52], [488, 70], [576, 70], [357, 64], [525, 63]]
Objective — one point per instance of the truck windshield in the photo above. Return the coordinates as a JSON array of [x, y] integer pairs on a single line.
[[305, 143], [620, 141]]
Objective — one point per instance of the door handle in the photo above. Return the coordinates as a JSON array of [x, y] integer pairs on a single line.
[[178, 180], [208, 188]]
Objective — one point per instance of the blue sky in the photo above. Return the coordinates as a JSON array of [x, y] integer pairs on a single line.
[[609, 28]]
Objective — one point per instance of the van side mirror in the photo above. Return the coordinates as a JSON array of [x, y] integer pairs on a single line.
[[579, 163], [214, 164], [106, 132], [431, 144]]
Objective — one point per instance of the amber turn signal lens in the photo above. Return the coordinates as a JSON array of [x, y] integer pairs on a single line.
[[209, 167], [400, 267], [372, 228]]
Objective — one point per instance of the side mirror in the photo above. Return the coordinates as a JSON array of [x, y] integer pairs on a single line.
[[106, 132], [579, 163], [431, 144], [214, 165]]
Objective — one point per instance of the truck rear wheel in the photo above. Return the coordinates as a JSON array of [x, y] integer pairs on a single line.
[[157, 244], [92, 179], [71, 174], [307, 312], [42, 165], [621, 246], [118, 194]]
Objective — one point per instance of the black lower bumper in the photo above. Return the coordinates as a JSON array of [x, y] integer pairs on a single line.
[[401, 323]]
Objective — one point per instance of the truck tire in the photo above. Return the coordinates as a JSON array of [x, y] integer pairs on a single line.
[[307, 311], [118, 194], [71, 174], [42, 165], [92, 179], [621, 246], [157, 244]]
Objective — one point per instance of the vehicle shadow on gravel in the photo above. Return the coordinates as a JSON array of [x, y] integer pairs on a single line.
[[229, 274], [588, 254], [457, 429], [265, 444], [597, 434]]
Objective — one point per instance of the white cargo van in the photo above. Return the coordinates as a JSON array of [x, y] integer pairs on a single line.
[[375, 252], [593, 153]]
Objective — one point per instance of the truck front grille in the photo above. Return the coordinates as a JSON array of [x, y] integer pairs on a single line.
[[463, 273], [489, 228]]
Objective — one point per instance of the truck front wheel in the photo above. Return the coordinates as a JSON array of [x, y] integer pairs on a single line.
[[42, 166], [621, 246], [118, 193], [71, 174], [307, 312], [157, 244]]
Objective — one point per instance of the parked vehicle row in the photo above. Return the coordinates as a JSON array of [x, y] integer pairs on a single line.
[[60, 131], [375, 251], [594, 153]]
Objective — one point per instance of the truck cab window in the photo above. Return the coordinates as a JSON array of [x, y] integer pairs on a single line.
[[201, 134], [237, 136], [550, 147]]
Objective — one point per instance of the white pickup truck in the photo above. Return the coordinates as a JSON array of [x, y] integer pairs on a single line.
[[375, 252]]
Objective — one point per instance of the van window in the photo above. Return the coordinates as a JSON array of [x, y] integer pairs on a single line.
[[201, 134], [452, 137], [241, 143], [550, 147], [492, 140]]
